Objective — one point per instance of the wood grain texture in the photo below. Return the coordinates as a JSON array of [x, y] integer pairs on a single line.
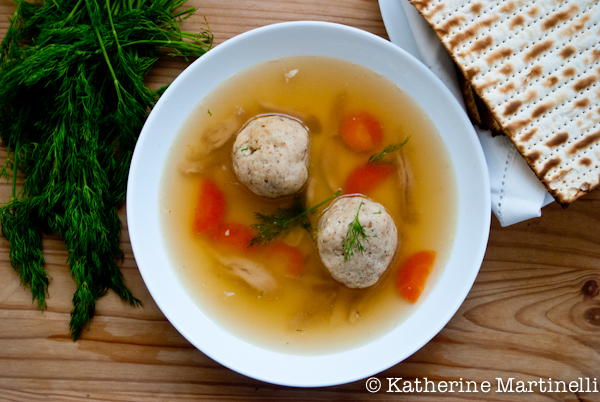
[[534, 311]]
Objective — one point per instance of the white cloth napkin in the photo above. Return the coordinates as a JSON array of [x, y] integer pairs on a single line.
[[517, 194]]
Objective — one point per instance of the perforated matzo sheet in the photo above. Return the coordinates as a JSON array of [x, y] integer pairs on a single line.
[[536, 64]]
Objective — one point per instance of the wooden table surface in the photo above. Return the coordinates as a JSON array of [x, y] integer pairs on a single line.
[[534, 311]]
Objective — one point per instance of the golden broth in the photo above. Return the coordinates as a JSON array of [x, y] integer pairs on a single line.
[[313, 313]]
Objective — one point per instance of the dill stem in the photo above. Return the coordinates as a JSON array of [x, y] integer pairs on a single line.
[[72, 13], [186, 11], [112, 27], [101, 43], [318, 205], [166, 43], [194, 36], [115, 9], [151, 41], [178, 3]]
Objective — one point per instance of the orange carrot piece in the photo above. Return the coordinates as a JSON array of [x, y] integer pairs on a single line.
[[233, 235], [364, 179], [361, 131], [210, 209], [293, 258], [413, 273]]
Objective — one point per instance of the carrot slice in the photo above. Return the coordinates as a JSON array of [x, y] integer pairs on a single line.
[[233, 235], [361, 131], [292, 257], [413, 273], [364, 179], [210, 209]]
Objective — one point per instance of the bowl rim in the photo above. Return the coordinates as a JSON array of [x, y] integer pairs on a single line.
[[310, 371]]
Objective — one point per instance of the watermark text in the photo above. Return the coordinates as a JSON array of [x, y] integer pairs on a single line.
[[498, 385]]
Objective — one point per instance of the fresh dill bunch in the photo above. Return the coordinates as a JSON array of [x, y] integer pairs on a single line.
[[272, 225], [390, 148], [356, 232], [72, 104]]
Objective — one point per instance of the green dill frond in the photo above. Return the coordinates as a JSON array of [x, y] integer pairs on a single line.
[[354, 235], [390, 148], [272, 225]]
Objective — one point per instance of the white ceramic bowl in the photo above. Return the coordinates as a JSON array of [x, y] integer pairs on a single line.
[[273, 42]]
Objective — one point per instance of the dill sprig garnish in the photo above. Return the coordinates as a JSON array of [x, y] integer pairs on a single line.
[[273, 225], [390, 148], [355, 233], [72, 104]]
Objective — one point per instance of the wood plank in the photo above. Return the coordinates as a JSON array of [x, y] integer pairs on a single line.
[[534, 311]]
